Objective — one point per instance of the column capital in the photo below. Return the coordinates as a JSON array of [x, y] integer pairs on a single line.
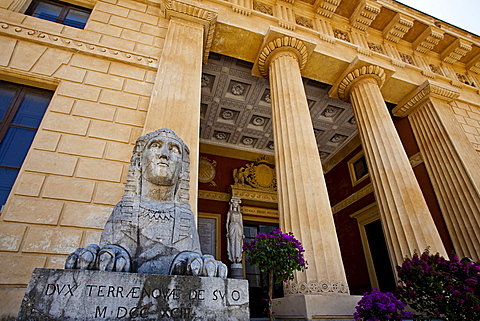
[[360, 68], [427, 90], [276, 41], [196, 13]]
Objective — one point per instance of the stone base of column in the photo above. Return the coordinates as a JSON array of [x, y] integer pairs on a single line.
[[338, 307], [236, 271]]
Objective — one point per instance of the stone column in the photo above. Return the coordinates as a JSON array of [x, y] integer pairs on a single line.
[[175, 101], [451, 161], [406, 219], [304, 205]]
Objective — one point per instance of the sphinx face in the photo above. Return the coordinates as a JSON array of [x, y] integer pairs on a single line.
[[162, 161]]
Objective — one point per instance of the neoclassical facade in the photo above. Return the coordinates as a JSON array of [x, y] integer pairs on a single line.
[[353, 124]]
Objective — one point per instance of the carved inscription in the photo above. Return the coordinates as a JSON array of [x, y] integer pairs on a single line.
[[154, 301], [83, 295]]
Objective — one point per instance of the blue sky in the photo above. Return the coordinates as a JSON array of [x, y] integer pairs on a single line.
[[461, 13]]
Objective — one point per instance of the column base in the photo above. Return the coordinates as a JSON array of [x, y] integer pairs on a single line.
[[339, 307], [236, 271]]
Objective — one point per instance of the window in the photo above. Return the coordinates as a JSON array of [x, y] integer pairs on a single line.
[[59, 12], [358, 168], [21, 111]]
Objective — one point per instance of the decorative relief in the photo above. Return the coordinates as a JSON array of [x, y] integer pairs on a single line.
[[428, 39], [221, 135], [326, 8], [375, 47], [407, 59], [238, 89], [271, 145], [416, 159], [364, 15], [397, 28], [292, 288], [342, 35], [304, 22], [263, 8], [282, 42], [331, 111], [207, 171], [456, 51], [463, 79], [338, 138], [436, 69], [214, 196], [75, 45], [248, 141], [352, 198], [256, 175], [371, 70]]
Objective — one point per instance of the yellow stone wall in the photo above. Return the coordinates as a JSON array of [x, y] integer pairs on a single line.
[[468, 115], [75, 171]]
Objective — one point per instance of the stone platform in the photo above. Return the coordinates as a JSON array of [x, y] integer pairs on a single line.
[[95, 295]]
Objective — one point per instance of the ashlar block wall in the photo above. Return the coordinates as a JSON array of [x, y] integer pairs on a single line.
[[75, 171]]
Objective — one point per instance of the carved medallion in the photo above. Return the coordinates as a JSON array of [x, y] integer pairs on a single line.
[[256, 175], [207, 171]]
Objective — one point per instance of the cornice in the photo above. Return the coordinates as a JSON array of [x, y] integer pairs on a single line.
[[193, 12], [398, 27], [372, 71], [426, 91], [326, 8], [214, 196], [76, 45]]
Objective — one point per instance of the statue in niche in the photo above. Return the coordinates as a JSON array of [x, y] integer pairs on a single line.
[[152, 229], [234, 231]]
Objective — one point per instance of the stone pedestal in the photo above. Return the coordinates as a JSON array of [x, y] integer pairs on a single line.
[[316, 307], [96, 295]]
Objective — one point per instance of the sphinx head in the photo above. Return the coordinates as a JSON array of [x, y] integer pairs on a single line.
[[160, 158]]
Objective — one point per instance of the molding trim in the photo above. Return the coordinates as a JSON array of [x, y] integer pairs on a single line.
[[214, 196], [352, 198], [76, 45], [320, 287]]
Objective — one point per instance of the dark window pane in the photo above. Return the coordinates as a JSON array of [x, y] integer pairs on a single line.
[[76, 18], [7, 93], [360, 167], [8, 178], [47, 11], [15, 146], [32, 109]]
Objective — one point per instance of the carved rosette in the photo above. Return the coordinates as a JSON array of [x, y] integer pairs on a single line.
[[284, 43], [371, 71], [321, 287]]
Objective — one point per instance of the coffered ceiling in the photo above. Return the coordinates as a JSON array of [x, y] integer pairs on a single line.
[[236, 112]]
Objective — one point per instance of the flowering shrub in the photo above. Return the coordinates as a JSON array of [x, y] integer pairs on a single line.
[[440, 288], [379, 306], [277, 253]]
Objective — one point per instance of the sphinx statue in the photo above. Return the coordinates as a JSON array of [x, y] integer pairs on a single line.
[[152, 229]]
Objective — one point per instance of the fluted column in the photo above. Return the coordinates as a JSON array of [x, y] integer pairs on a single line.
[[175, 101], [303, 201], [406, 219], [451, 161]]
